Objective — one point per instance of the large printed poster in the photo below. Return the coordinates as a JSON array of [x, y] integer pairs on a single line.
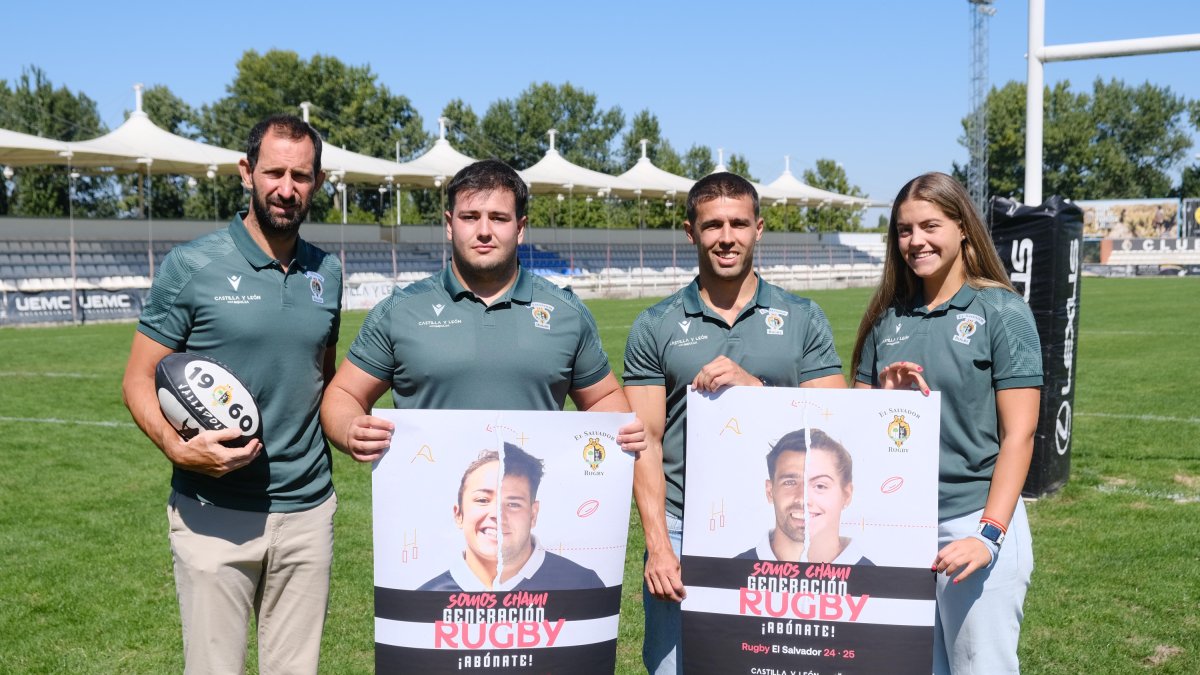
[[500, 541], [810, 525]]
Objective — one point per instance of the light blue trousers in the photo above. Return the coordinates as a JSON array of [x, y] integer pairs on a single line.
[[978, 621]]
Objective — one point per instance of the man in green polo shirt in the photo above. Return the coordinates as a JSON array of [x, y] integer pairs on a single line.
[[727, 328], [482, 334], [251, 527]]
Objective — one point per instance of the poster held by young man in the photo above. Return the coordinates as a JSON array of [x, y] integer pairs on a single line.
[[500, 541], [810, 521]]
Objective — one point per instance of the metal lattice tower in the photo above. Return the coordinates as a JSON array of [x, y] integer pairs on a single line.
[[977, 142]]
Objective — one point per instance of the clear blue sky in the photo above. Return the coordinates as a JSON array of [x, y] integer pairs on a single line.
[[879, 86]]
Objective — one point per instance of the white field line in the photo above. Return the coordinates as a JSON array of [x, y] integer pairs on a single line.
[[1177, 497], [29, 373], [1140, 418], [55, 420]]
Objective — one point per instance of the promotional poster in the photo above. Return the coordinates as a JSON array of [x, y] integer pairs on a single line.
[[1130, 218], [809, 529], [500, 541]]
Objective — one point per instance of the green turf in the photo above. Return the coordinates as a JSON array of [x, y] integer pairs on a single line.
[[85, 569]]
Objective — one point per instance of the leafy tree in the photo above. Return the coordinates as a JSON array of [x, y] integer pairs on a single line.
[[463, 130], [349, 107], [1117, 142], [829, 175], [698, 162], [515, 129], [33, 105], [738, 164], [644, 125]]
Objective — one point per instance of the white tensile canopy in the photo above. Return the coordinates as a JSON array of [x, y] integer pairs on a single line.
[[436, 166], [138, 142], [766, 193], [553, 174], [18, 149], [812, 196], [354, 167], [653, 181]]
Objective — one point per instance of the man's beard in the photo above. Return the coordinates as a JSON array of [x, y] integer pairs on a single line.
[[282, 225]]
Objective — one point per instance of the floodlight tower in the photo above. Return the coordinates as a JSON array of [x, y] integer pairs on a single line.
[[977, 142]]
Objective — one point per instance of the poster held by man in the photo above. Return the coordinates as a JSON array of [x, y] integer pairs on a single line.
[[500, 541], [809, 527]]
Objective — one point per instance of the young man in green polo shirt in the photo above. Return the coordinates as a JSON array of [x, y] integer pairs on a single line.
[[727, 328], [251, 527], [481, 334]]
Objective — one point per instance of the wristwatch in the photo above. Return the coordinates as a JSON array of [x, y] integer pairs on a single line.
[[991, 532]]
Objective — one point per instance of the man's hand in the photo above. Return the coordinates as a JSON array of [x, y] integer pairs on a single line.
[[368, 437], [723, 372], [632, 436], [663, 576], [205, 454]]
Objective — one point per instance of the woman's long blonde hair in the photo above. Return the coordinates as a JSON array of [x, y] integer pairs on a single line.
[[981, 264]]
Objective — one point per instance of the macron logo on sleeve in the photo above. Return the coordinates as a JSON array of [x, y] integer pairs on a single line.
[[235, 281]]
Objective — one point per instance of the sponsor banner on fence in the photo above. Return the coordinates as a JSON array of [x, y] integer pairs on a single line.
[[809, 528], [1130, 218], [366, 295], [21, 307], [500, 541], [1167, 247]]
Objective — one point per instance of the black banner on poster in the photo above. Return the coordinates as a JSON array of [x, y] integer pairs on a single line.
[[26, 308], [1040, 247]]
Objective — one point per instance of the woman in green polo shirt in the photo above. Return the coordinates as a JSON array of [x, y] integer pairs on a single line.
[[946, 317]]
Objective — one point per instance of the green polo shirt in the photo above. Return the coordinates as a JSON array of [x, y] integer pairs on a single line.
[[977, 343], [223, 297], [442, 348], [778, 337]]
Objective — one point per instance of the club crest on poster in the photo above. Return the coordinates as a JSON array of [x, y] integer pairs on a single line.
[[500, 541], [809, 527]]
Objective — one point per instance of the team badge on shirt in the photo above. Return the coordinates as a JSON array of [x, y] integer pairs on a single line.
[[967, 325], [541, 314], [316, 284], [774, 320]]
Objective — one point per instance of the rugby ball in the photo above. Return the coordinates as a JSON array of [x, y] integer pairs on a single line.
[[197, 393]]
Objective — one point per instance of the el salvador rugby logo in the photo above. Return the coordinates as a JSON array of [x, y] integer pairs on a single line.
[[967, 325], [316, 284]]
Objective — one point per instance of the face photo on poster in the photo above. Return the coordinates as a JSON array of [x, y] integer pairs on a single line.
[[455, 494], [852, 485]]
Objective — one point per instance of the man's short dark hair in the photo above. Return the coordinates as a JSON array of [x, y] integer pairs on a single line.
[[795, 441], [716, 185], [486, 175], [516, 462], [290, 127]]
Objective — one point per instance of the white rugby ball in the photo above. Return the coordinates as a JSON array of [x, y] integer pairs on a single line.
[[199, 393]]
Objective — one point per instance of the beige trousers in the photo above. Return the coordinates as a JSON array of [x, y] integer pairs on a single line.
[[229, 562]]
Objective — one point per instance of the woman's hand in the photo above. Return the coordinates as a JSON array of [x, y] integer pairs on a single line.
[[903, 375], [965, 556]]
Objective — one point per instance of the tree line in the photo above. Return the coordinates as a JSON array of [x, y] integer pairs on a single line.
[[1115, 142], [352, 109]]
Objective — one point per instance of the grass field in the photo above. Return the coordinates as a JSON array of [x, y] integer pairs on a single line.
[[85, 569]]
